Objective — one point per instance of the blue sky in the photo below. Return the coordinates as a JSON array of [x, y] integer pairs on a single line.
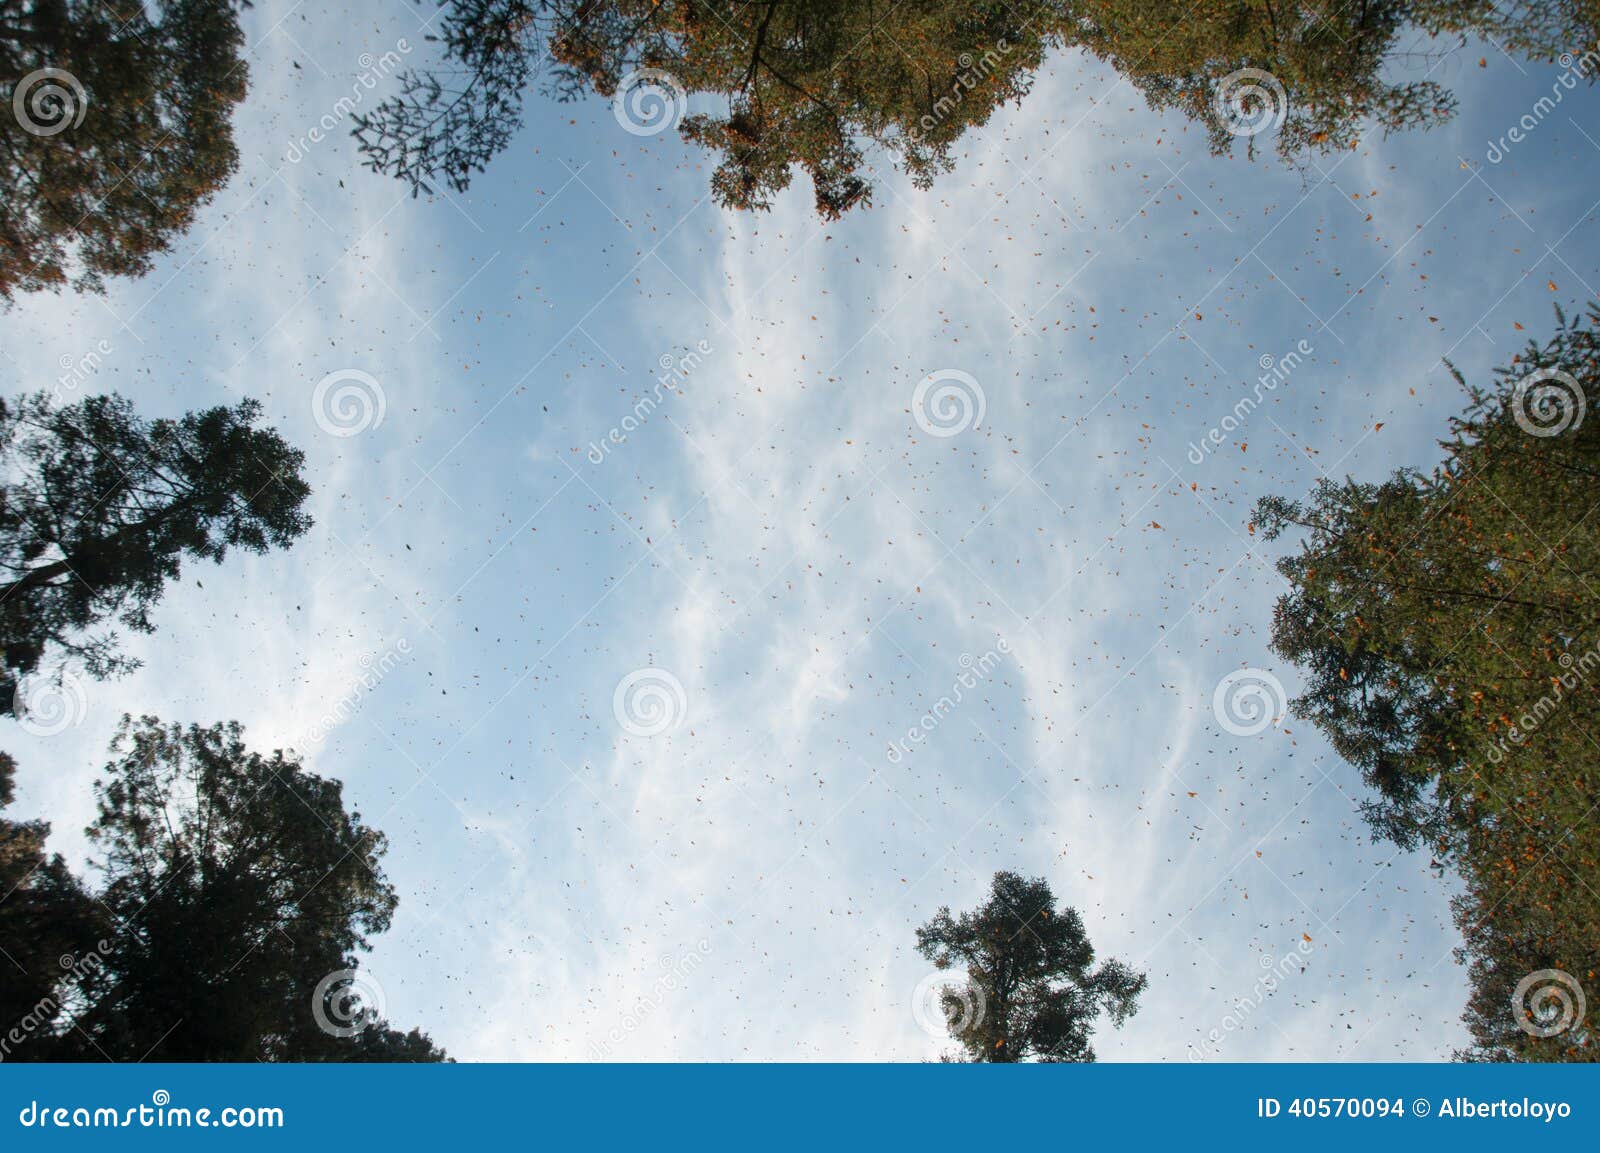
[[809, 564]]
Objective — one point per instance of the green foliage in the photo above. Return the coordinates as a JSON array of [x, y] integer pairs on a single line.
[[1540, 29], [819, 84], [100, 506], [1325, 59], [129, 135], [1331, 67], [1450, 636], [231, 885], [1032, 989], [807, 83]]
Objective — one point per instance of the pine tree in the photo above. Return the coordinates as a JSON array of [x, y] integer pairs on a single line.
[[1031, 988], [100, 506], [117, 127], [1449, 630], [823, 86], [234, 893], [809, 84]]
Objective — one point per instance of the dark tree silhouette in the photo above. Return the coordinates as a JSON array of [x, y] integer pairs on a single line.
[[235, 891], [1032, 990], [1379, 705], [1450, 637], [99, 506], [117, 127], [46, 922]]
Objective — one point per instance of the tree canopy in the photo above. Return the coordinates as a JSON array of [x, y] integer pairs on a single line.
[[99, 507], [1031, 988], [1449, 633], [118, 127], [820, 85], [234, 892], [807, 84], [1315, 72]]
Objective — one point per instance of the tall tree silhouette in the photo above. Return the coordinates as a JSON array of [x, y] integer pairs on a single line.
[[1032, 990], [100, 506], [117, 127], [234, 892], [1450, 637]]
